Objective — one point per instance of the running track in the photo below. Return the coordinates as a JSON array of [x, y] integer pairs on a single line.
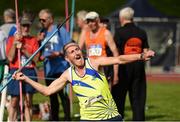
[[163, 77], [151, 77]]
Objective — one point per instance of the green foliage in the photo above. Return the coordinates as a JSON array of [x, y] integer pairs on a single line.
[[57, 6], [169, 7], [104, 7]]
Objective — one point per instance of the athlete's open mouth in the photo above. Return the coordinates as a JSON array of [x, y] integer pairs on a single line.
[[78, 57]]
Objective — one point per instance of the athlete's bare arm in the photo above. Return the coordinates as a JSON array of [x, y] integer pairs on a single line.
[[55, 86], [122, 59]]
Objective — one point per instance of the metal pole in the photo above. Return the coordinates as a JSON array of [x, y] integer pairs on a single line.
[[72, 19]]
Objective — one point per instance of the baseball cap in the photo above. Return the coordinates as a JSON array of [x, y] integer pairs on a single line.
[[25, 20], [92, 15]]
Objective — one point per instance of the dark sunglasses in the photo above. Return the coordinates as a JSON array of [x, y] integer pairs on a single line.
[[90, 20], [42, 20], [25, 25]]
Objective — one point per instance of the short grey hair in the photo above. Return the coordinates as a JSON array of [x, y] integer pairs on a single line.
[[81, 14], [48, 11], [10, 13], [126, 13]]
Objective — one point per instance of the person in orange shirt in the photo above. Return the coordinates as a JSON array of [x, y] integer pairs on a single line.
[[97, 39], [28, 45]]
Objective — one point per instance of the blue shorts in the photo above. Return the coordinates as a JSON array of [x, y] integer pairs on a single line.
[[13, 86]]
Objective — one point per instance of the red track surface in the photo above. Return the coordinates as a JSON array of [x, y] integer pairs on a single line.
[[164, 77], [151, 77]]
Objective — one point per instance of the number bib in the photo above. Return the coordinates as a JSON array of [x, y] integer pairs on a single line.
[[95, 50], [24, 59]]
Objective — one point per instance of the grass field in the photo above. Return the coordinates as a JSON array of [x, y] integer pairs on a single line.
[[162, 103]]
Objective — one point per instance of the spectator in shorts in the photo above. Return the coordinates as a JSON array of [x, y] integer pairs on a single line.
[[27, 45]]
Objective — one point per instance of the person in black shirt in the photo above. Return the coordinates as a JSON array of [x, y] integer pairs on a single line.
[[130, 39]]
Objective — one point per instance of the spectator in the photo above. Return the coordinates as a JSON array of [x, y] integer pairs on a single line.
[[88, 81], [96, 40], [81, 22], [9, 26], [27, 44], [2, 53], [54, 62], [5, 30], [132, 78]]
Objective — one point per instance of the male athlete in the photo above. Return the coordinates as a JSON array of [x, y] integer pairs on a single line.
[[88, 82]]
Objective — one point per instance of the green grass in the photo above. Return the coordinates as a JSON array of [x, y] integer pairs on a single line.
[[162, 103], [164, 100]]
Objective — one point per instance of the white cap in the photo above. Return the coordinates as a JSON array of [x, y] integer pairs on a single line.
[[92, 15]]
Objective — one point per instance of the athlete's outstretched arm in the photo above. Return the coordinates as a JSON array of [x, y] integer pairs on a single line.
[[122, 59], [55, 86]]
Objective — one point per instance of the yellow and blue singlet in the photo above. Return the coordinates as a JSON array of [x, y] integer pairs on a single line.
[[92, 90]]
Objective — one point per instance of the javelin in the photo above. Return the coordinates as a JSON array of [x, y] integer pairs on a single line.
[[2, 86]]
